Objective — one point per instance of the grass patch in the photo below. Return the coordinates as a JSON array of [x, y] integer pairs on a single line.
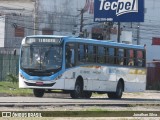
[[12, 89], [95, 109]]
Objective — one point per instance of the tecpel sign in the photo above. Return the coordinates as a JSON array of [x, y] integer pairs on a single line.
[[119, 10]]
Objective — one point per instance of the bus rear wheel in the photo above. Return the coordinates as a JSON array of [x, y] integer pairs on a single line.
[[77, 92], [118, 93], [38, 92]]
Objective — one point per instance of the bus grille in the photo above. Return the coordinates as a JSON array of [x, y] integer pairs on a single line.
[[44, 85]]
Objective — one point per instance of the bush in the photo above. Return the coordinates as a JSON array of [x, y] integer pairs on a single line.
[[12, 78]]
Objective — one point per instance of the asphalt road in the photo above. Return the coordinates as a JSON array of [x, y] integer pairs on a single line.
[[142, 98]]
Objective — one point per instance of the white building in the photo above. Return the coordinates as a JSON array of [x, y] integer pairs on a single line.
[[16, 22]]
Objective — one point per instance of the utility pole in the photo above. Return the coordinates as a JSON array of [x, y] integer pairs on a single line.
[[119, 32], [36, 4], [107, 30], [81, 23], [138, 33]]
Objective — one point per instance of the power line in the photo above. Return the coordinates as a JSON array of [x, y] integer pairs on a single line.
[[32, 27]]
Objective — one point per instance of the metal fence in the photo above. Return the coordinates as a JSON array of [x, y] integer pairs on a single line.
[[8, 65]]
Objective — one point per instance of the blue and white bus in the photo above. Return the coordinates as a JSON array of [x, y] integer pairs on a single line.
[[81, 66]]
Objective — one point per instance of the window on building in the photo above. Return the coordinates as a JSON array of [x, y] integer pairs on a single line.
[[47, 32], [19, 32]]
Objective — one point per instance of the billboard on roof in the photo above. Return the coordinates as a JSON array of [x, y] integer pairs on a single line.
[[119, 10]]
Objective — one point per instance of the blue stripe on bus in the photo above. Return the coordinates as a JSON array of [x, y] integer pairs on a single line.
[[92, 41], [103, 42]]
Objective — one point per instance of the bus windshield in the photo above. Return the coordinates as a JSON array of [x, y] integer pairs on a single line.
[[41, 57]]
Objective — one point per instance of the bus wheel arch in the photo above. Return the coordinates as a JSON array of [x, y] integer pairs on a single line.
[[78, 88], [119, 90]]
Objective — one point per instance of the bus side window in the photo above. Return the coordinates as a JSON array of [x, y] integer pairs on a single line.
[[101, 54], [111, 55], [144, 59], [120, 56], [131, 58], [81, 53], [106, 55], [95, 54], [69, 56], [90, 54], [139, 58]]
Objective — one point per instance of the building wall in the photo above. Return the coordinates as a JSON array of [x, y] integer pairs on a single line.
[[13, 39], [12, 30], [23, 7], [16, 13], [64, 15]]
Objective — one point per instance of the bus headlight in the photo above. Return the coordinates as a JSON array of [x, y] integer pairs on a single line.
[[21, 76]]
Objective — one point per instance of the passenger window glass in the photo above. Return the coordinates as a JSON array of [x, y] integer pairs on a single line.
[[70, 57], [90, 53], [131, 58], [121, 56], [111, 55], [81, 53], [94, 54], [101, 54], [106, 55], [139, 58]]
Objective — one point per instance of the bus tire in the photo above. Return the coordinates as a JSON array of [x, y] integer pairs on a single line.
[[87, 94], [77, 92], [38, 92], [118, 93]]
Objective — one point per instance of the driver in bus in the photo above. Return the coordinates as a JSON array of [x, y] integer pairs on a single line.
[[49, 56], [68, 56]]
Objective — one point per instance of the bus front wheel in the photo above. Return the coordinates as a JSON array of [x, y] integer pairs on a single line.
[[118, 93], [77, 92], [38, 92]]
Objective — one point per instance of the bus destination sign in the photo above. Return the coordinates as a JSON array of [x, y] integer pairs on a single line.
[[43, 40], [119, 11]]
